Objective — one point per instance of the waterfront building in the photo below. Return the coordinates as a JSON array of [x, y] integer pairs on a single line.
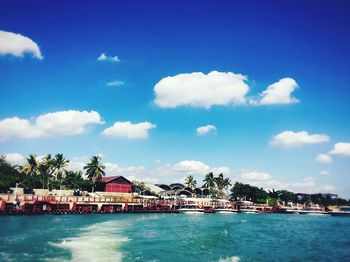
[[114, 184]]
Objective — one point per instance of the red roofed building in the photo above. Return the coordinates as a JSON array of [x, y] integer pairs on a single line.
[[117, 184]]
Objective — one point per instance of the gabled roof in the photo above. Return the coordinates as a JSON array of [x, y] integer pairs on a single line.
[[108, 178], [111, 178]]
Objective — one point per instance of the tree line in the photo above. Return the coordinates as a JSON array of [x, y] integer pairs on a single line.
[[49, 172]]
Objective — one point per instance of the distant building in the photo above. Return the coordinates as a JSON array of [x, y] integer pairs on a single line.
[[115, 184]]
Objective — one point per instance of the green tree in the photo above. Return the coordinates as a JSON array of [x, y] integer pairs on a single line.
[[31, 167], [248, 192], [274, 194], [94, 170], [9, 175], [73, 180], [209, 181], [45, 168], [190, 181], [271, 201], [59, 163], [222, 183], [139, 187], [287, 196], [31, 172]]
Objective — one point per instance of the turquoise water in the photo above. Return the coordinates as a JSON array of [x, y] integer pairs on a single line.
[[175, 237]]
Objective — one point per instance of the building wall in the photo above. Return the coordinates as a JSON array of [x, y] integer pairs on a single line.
[[116, 187]]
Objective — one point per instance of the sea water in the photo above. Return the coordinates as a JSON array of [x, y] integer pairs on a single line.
[[175, 237]]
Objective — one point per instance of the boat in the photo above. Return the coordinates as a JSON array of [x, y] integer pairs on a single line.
[[249, 210], [312, 212], [191, 209], [343, 211], [225, 210], [246, 207]]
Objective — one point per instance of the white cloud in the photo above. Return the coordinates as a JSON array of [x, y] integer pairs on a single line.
[[266, 181], [191, 166], [61, 123], [115, 83], [324, 158], [201, 90], [179, 171], [288, 139], [308, 185], [255, 176], [104, 57], [279, 92], [342, 149], [18, 45], [129, 130], [203, 130], [14, 158], [328, 189], [325, 173]]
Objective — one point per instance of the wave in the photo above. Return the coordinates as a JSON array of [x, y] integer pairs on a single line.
[[97, 242], [229, 259]]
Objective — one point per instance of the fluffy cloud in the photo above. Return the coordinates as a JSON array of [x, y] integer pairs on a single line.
[[280, 92], [191, 166], [14, 158], [129, 130], [324, 158], [179, 171], [18, 45], [104, 57], [115, 83], [288, 139], [201, 90], [203, 130], [308, 185], [61, 123], [255, 176], [342, 149]]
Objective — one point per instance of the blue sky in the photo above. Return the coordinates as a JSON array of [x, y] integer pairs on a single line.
[[58, 76]]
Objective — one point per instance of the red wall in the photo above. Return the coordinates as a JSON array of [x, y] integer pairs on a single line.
[[120, 188]]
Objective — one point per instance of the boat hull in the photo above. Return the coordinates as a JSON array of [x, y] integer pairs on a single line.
[[339, 213], [190, 211], [225, 211]]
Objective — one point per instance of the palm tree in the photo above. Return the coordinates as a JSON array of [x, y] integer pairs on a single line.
[[94, 169], [209, 181], [32, 166], [222, 183], [58, 164], [140, 187], [45, 168], [190, 182]]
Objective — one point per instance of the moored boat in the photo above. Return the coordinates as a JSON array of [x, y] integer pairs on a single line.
[[312, 212], [191, 209], [225, 210], [343, 211]]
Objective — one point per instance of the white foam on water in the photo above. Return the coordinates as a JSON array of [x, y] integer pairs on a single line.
[[6, 257], [98, 242], [229, 259]]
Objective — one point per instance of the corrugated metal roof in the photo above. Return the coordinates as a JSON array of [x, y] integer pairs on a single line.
[[108, 178]]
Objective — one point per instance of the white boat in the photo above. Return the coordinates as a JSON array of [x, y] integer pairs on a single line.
[[343, 211], [191, 209], [249, 211], [312, 212], [225, 210]]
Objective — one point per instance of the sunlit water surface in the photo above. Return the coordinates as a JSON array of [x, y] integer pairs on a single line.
[[175, 237]]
